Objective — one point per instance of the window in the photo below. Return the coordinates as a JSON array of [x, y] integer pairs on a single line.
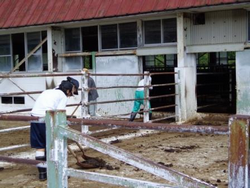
[[199, 19], [169, 30], [5, 53], [153, 32], [72, 44], [160, 31], [128, 35], [118, 36], [35, 61], [12, 100], [90, 39], [72, 40], [14, 48], [160, 62], [109, 36]]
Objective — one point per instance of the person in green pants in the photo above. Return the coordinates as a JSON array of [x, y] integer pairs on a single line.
[[139, 94]]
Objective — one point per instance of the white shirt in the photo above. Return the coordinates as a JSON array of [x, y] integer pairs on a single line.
[[51, 99], [141, 83]]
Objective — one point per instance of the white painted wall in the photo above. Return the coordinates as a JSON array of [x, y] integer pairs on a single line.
[[123, 65], [242, 82], [220, 27], [27, 84]]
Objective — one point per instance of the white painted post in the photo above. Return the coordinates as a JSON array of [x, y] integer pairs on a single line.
[[85, 107], [177, 97], [56, 148], [50, 50], [146, 95]]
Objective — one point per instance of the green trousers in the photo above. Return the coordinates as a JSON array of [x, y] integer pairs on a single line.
[[138, 103]]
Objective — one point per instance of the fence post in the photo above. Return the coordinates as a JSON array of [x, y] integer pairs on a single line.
[[85, 94], [146, 95], [238, 155], [56, 148], [177, 97]]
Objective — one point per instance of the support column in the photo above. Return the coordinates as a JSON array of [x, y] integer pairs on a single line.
[[238, 154], [187, 102]]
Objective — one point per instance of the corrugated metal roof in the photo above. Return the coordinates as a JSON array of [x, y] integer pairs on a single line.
[[20, 13]]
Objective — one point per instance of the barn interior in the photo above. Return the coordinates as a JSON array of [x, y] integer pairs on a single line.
[[216, 81]]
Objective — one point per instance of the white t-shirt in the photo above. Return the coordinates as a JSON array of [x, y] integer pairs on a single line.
[[141, 83], [51, 99]]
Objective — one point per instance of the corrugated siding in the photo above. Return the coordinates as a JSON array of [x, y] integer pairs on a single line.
[[220, 27], [19, 13]]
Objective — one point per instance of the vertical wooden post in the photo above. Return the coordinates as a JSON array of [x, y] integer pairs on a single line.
[[85, 94], [146, 95], [56, 148], [50, 50], [238, 154]]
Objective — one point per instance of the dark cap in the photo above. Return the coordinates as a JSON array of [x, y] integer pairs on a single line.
[[66, 85], [75, 83]]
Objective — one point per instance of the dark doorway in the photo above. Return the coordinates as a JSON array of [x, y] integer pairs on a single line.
[[161, 63], [216, 82]]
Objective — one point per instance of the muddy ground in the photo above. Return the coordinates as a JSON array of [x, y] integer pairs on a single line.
[[204, 157]]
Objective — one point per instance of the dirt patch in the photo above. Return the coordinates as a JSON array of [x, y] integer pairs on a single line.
[[204, 157]]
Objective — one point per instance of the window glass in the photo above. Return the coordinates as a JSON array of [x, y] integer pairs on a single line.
[[159, 61], [170, 60], [19, 100], [128, 35], [88, 64], [109, 36], [6, 100], [45, 52], [5, 45], [33, 40], [73, 63], [5, 53], [35, 61], [152, 31], [5, 63], [72, 39], [90, 39], [149, 61], [169, 30]]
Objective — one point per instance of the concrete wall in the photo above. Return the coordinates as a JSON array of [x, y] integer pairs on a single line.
[[115, 65]]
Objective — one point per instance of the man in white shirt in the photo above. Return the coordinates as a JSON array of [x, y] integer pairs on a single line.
[[139, 94], [51, 99]]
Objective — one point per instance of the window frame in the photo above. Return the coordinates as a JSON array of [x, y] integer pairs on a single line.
[[118, 37], [13, 99], [40, 50], [65, 69], [10, 55], [162, 32]]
